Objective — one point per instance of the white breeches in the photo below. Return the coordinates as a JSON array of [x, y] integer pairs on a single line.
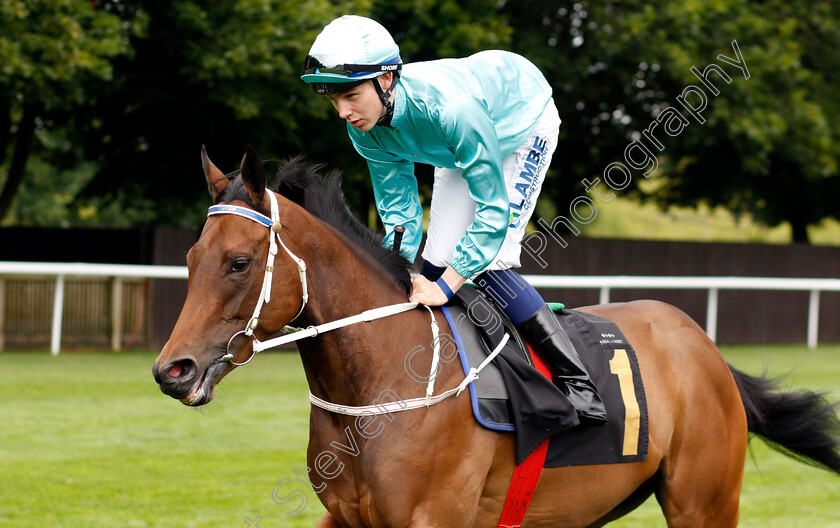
[[453, 210]]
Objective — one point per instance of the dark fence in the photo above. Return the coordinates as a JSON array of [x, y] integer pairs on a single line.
[[744, 316]]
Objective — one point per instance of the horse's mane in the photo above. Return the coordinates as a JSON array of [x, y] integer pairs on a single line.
[[321, 196]]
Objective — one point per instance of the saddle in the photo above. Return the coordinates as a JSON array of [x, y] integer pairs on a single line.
[[512, 395]]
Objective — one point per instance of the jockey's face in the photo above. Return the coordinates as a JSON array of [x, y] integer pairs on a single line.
[[361, 106]]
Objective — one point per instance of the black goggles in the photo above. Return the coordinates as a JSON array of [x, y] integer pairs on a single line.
[[313, 65]]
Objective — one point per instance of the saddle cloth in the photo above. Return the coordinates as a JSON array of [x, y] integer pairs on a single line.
[[511, 394]]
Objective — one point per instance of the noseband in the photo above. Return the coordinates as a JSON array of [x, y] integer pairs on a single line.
[[275, 227]]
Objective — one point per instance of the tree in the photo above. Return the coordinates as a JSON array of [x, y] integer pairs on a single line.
[[222, 74], [768, 145], [51, 51], [777, 139], [190, 72], [226, 74]]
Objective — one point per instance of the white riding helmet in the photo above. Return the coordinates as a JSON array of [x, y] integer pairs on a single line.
[[350, 50]]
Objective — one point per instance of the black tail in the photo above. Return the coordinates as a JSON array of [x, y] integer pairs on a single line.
[[800, 424]]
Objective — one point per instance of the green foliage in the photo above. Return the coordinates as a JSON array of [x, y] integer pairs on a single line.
[[231, 76], [769, 144], [49, 49], [135, 87], [772, 147], [429, 30], [222, 74], [53, 54], [248, 54]]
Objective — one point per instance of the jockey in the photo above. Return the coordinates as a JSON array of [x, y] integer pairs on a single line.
[[489, 125]]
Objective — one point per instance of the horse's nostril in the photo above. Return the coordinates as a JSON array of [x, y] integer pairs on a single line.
[[175, 371]]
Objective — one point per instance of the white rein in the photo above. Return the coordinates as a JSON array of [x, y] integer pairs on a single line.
[[295, 334]]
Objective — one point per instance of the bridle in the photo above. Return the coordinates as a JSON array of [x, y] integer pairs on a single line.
[[275, 227], [295, 334]]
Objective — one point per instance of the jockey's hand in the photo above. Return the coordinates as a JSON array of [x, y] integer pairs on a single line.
[[426, 292], [429, 293]]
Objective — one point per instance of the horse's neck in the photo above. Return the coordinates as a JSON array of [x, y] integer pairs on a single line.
[[352, 365], [343, 280]]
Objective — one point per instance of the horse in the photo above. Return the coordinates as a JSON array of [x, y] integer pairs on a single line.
[[435, 466]]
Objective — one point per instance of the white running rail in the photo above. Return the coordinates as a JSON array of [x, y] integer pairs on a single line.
[[77, 269], [713, 285], [604, 283]]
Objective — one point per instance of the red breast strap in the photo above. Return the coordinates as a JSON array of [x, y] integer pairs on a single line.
[[525, 475]]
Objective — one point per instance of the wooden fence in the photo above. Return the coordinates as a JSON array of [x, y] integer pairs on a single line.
[[98, 312], [149, 307], [86, 310]]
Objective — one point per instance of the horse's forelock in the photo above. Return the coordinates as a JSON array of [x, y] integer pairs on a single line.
[[236, 190]]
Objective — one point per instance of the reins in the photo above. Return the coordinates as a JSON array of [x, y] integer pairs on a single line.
[[296, 334]]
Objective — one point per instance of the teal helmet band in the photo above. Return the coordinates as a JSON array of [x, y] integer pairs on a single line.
[[350, 50]]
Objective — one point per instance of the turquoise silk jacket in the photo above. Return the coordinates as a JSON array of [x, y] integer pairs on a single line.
[[465, 114]]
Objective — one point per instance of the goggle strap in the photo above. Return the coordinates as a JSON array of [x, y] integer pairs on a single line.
[[372, 67]]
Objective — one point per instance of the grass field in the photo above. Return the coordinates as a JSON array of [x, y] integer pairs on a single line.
[[87, 440]]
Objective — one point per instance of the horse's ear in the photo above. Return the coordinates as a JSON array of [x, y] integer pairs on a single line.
[[253, 175], [216, 180]]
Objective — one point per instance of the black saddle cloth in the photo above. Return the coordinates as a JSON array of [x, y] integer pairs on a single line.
[[538, 408], [512, 395]]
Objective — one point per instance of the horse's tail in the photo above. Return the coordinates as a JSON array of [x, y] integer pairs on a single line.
[[801, 424]]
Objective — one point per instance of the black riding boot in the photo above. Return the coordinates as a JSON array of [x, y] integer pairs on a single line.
[[544, 333]]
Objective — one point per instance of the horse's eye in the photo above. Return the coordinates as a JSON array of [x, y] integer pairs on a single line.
[[240, 264]]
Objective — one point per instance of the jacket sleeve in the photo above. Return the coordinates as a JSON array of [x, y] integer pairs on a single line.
[[471, 134], [398, 202], [395, 193]]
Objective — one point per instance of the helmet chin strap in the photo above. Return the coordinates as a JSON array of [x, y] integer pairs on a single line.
[[385, 96]]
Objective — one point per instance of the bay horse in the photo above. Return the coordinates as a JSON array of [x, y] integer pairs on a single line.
[[436, 466]]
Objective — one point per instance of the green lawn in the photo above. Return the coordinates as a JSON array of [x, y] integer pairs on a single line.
[[87, 440]]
